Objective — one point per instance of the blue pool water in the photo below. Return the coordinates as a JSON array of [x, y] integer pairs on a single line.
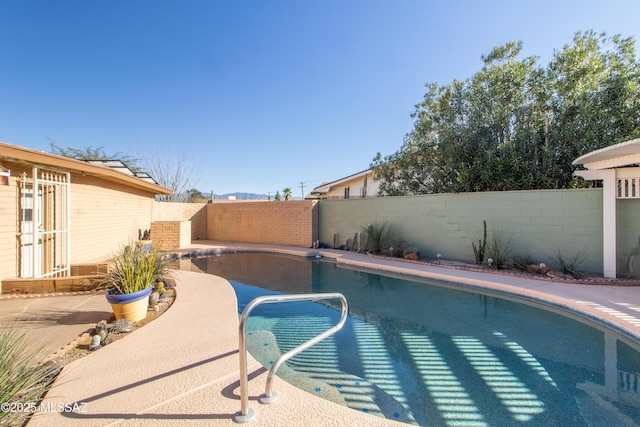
[[431, 353]]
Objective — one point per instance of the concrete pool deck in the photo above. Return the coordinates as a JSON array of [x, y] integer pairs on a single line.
[[182, 368]]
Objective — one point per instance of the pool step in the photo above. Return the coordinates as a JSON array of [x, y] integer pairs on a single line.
[[322, 362], [359, 393]]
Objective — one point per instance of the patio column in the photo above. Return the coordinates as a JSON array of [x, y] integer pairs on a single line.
[[609, 199]]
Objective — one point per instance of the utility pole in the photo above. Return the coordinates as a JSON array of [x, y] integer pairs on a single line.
[[302, 187]]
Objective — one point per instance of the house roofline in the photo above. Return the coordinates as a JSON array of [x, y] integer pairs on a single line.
[[328, 185], [28, 156]]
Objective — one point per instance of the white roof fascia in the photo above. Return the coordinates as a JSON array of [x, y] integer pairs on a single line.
[[625, 153]]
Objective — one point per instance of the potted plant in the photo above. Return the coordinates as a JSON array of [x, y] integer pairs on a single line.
[[130, 277]]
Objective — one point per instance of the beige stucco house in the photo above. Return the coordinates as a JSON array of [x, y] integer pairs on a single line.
[[56, 212], [358, 185]]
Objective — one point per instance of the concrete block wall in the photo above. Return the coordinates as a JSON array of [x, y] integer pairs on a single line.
[[540, 223], [171, 234], [196, 213], [290, 222]]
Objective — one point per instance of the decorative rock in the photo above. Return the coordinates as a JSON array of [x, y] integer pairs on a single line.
[[538, 269], [558, 275], [534, 268], [169, 283], [153, 298], [414, 256]]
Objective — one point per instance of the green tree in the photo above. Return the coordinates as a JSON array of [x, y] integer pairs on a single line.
[[287, 193], [277, 197], [194, 195], [516, 125], [173, 170], [94, 153]]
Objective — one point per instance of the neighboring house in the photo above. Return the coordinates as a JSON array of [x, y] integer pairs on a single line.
[[56, 211], [359, 185]]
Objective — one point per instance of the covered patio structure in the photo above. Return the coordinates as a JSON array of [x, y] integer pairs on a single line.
[[616, 166]]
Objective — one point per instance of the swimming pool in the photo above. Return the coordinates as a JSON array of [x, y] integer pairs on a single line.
[[432, 353]]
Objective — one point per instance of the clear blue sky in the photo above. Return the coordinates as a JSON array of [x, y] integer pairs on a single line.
[[264, 94]]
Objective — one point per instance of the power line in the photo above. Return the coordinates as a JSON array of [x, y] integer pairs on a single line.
[[302, 188]]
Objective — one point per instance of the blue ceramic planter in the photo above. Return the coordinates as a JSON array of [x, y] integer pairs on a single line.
[[114, 298]]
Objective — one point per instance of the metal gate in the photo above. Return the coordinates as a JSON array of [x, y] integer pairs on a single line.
[[44, 231]]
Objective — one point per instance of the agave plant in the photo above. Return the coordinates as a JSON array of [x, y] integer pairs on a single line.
[[135, 268]]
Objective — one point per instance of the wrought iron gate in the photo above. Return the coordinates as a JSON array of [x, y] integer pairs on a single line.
[[44, 231]]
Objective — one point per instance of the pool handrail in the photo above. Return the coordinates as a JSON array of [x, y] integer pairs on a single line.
[[247, 414]]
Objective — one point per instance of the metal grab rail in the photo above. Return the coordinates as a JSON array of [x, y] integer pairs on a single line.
[[246, 414]]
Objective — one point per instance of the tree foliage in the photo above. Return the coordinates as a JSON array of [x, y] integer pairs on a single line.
[[194, 195], [174, 170], [514, 125], [286, 192], [94, 153]]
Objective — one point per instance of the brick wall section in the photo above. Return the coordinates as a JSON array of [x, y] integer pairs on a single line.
[[291, 222], [194, 212], [171, 234]]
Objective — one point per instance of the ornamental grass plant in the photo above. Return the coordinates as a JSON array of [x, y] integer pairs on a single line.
[[23, 382], [383, 239], [136, 267]]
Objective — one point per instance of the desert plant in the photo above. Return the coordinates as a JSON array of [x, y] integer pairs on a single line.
[[382, 238], [22, 380], [134, 268], [121, 325], [522, 262], [632, 260], [570, 266], [498, 248], [395, 248], [479, 250]]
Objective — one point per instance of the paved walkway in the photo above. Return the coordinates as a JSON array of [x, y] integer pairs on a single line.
[[54, 322], [182, 368]]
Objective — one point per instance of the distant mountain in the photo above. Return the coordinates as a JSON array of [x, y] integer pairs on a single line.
[[244, 196], [241, 196]]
